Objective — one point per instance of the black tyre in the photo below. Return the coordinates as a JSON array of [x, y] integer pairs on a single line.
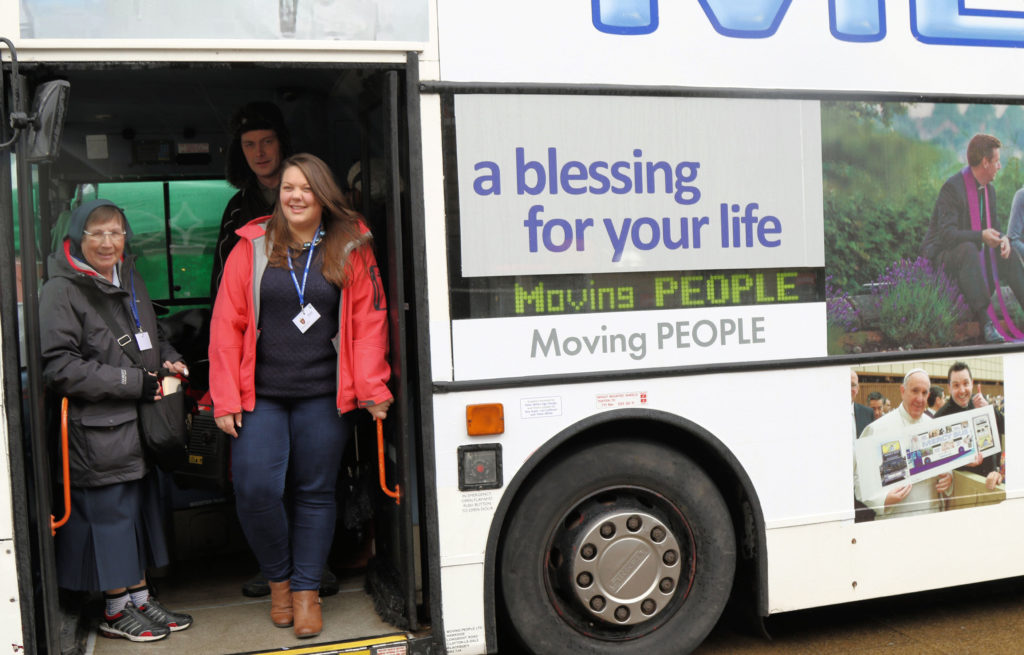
[[621, 547]]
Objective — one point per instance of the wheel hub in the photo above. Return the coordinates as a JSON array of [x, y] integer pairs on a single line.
[[626, 567]]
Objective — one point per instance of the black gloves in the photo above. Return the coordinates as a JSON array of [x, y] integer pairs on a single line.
[[150, 385]]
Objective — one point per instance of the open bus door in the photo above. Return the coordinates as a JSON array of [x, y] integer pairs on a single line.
[[35, 139], [392, 579]]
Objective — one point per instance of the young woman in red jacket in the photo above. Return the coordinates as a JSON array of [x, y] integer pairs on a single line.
[[298, 338]]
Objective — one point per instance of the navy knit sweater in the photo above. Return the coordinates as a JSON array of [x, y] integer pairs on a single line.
[[290, 363]]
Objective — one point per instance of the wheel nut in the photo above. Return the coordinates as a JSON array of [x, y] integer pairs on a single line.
[[621, 613], [607, 530], [633, 523], [658, 535], [648, 607], [597, 603], [584, 579], [670, 557], [666, 585], [589, 551]]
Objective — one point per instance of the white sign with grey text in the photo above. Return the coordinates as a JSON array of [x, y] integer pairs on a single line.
[[547, 345]]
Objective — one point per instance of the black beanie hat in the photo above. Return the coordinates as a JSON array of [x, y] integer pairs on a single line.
[[259, 116]]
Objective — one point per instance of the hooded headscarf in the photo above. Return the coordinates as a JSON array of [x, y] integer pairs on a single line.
[[77, 224]]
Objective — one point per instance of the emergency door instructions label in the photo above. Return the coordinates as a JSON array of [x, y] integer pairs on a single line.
[[540, 407]]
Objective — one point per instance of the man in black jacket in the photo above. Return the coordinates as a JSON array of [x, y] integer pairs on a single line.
[[965, 221], [259, 143], [962, 397]]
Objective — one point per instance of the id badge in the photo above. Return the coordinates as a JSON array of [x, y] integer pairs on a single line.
[[142, 338], [306, 318]]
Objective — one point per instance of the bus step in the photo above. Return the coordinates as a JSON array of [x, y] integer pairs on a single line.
[[396, 644]]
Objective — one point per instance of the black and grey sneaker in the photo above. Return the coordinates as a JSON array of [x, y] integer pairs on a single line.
[[130, 623], [162, 616]]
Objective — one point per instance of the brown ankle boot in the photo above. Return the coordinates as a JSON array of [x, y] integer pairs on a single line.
[[281, 603], [308, 619]]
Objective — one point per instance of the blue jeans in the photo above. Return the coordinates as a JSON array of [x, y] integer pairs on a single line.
[[296, 443]]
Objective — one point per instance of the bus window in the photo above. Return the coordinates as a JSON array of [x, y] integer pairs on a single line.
[[178, 272], [143, 206], [195, 212]]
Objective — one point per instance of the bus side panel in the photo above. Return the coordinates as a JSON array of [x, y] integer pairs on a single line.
[[464, 614], [839, 562], [804, 476], [811, 565], [10, 607]]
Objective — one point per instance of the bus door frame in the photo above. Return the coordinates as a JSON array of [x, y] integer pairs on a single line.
[[24, 403], [394, 574]]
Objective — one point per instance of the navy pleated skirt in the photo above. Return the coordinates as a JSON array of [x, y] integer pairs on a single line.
[[114, 534]]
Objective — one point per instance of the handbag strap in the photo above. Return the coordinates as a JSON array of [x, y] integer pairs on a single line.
[[98, 302]]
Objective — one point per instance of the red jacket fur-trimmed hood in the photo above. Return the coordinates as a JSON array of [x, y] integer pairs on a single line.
[[362, 339]]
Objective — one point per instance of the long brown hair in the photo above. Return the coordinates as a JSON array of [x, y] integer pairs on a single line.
[[343, 225]]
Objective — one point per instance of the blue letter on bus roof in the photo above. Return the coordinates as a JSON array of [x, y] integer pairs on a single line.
[[745, 19], [856, 20], [625, 16], [950, 22]]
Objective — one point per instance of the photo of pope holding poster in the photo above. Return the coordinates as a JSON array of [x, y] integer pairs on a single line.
[[910, 461], [919, 453]]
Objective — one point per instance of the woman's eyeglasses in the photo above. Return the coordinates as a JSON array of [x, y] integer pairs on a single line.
[[100, 237]]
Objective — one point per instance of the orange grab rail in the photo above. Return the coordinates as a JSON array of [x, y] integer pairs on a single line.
[[396, 494], [65, 469]]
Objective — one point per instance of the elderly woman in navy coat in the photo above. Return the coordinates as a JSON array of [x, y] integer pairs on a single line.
[[116, 530]]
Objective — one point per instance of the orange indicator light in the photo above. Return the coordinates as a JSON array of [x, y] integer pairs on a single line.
[[485, 419]]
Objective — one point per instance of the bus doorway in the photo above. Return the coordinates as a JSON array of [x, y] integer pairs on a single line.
[[152, 138]]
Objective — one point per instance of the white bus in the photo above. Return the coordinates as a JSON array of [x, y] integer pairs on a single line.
[[633, 251]]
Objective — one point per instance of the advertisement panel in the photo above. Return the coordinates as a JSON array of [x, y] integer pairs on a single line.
[[573, 184], [938, 446], [907, 219], [924, 224], [615, 232]]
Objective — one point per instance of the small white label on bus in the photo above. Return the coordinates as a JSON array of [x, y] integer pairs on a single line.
[[540, 407], [621, 399]]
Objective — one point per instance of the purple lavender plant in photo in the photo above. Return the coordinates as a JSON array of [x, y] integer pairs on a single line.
[[917, 304], [839, 309]]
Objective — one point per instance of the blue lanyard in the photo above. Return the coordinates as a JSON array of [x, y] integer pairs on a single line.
[[135, 310], [305, 274]]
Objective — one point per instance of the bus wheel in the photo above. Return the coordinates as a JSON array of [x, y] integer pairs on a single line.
[[621, 547]]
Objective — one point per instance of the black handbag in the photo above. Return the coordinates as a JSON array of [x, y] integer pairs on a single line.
[[164, 428], [163, 424]]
